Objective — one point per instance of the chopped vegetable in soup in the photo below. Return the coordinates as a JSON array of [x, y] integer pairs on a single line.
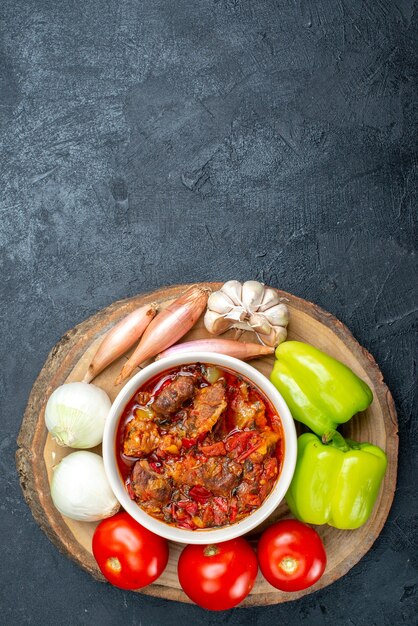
[[199, 447]]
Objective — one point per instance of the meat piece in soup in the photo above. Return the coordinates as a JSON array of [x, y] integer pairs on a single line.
[[248, 412], [208, 406], [142, 438], [149, 486], [172, 397], [219, 475]]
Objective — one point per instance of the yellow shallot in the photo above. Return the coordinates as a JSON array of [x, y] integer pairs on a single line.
[[120, 338], [168, 327]]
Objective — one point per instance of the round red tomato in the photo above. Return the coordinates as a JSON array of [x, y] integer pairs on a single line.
[[218, 576], [129, 555], [291, 555]]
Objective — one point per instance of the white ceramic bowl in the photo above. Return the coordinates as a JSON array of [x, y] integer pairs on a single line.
[[208, 535]]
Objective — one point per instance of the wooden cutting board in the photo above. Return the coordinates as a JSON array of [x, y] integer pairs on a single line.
[[37, 453]]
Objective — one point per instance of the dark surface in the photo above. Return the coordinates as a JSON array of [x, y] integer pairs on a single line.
[[150, 143]]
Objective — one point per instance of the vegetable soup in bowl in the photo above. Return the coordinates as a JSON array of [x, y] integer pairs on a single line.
[[199, 447]]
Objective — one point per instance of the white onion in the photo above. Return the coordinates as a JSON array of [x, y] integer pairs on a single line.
[[80, 488], [75, 415]]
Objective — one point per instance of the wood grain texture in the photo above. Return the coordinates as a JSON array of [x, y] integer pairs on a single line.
[[69, 359]]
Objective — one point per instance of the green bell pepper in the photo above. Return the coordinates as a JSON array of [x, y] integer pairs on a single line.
[[335, 484], [320, 391]]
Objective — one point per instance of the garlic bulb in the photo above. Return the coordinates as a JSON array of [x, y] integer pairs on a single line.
[[80, 489], [75, 415], [249, 306]]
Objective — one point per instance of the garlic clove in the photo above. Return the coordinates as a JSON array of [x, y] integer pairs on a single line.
[[238, 314], [281, 334], [277, 315], [277, 335], [220, 302], [233, 290], [215, 323], [260, 324], [252, 295], [242, 326], [270, 299]]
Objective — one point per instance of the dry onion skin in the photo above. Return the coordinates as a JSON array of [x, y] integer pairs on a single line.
[[249, 306]]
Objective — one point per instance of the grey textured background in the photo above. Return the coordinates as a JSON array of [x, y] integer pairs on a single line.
[[152, 142]]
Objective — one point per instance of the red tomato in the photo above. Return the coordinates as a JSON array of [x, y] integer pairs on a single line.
[[291, 555], [129, 555], [218, 577]]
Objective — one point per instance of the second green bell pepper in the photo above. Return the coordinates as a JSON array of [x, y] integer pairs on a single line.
[[337, 483], [320, 391]]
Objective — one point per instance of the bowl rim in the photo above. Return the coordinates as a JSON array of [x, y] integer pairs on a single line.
[[208, 535]]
